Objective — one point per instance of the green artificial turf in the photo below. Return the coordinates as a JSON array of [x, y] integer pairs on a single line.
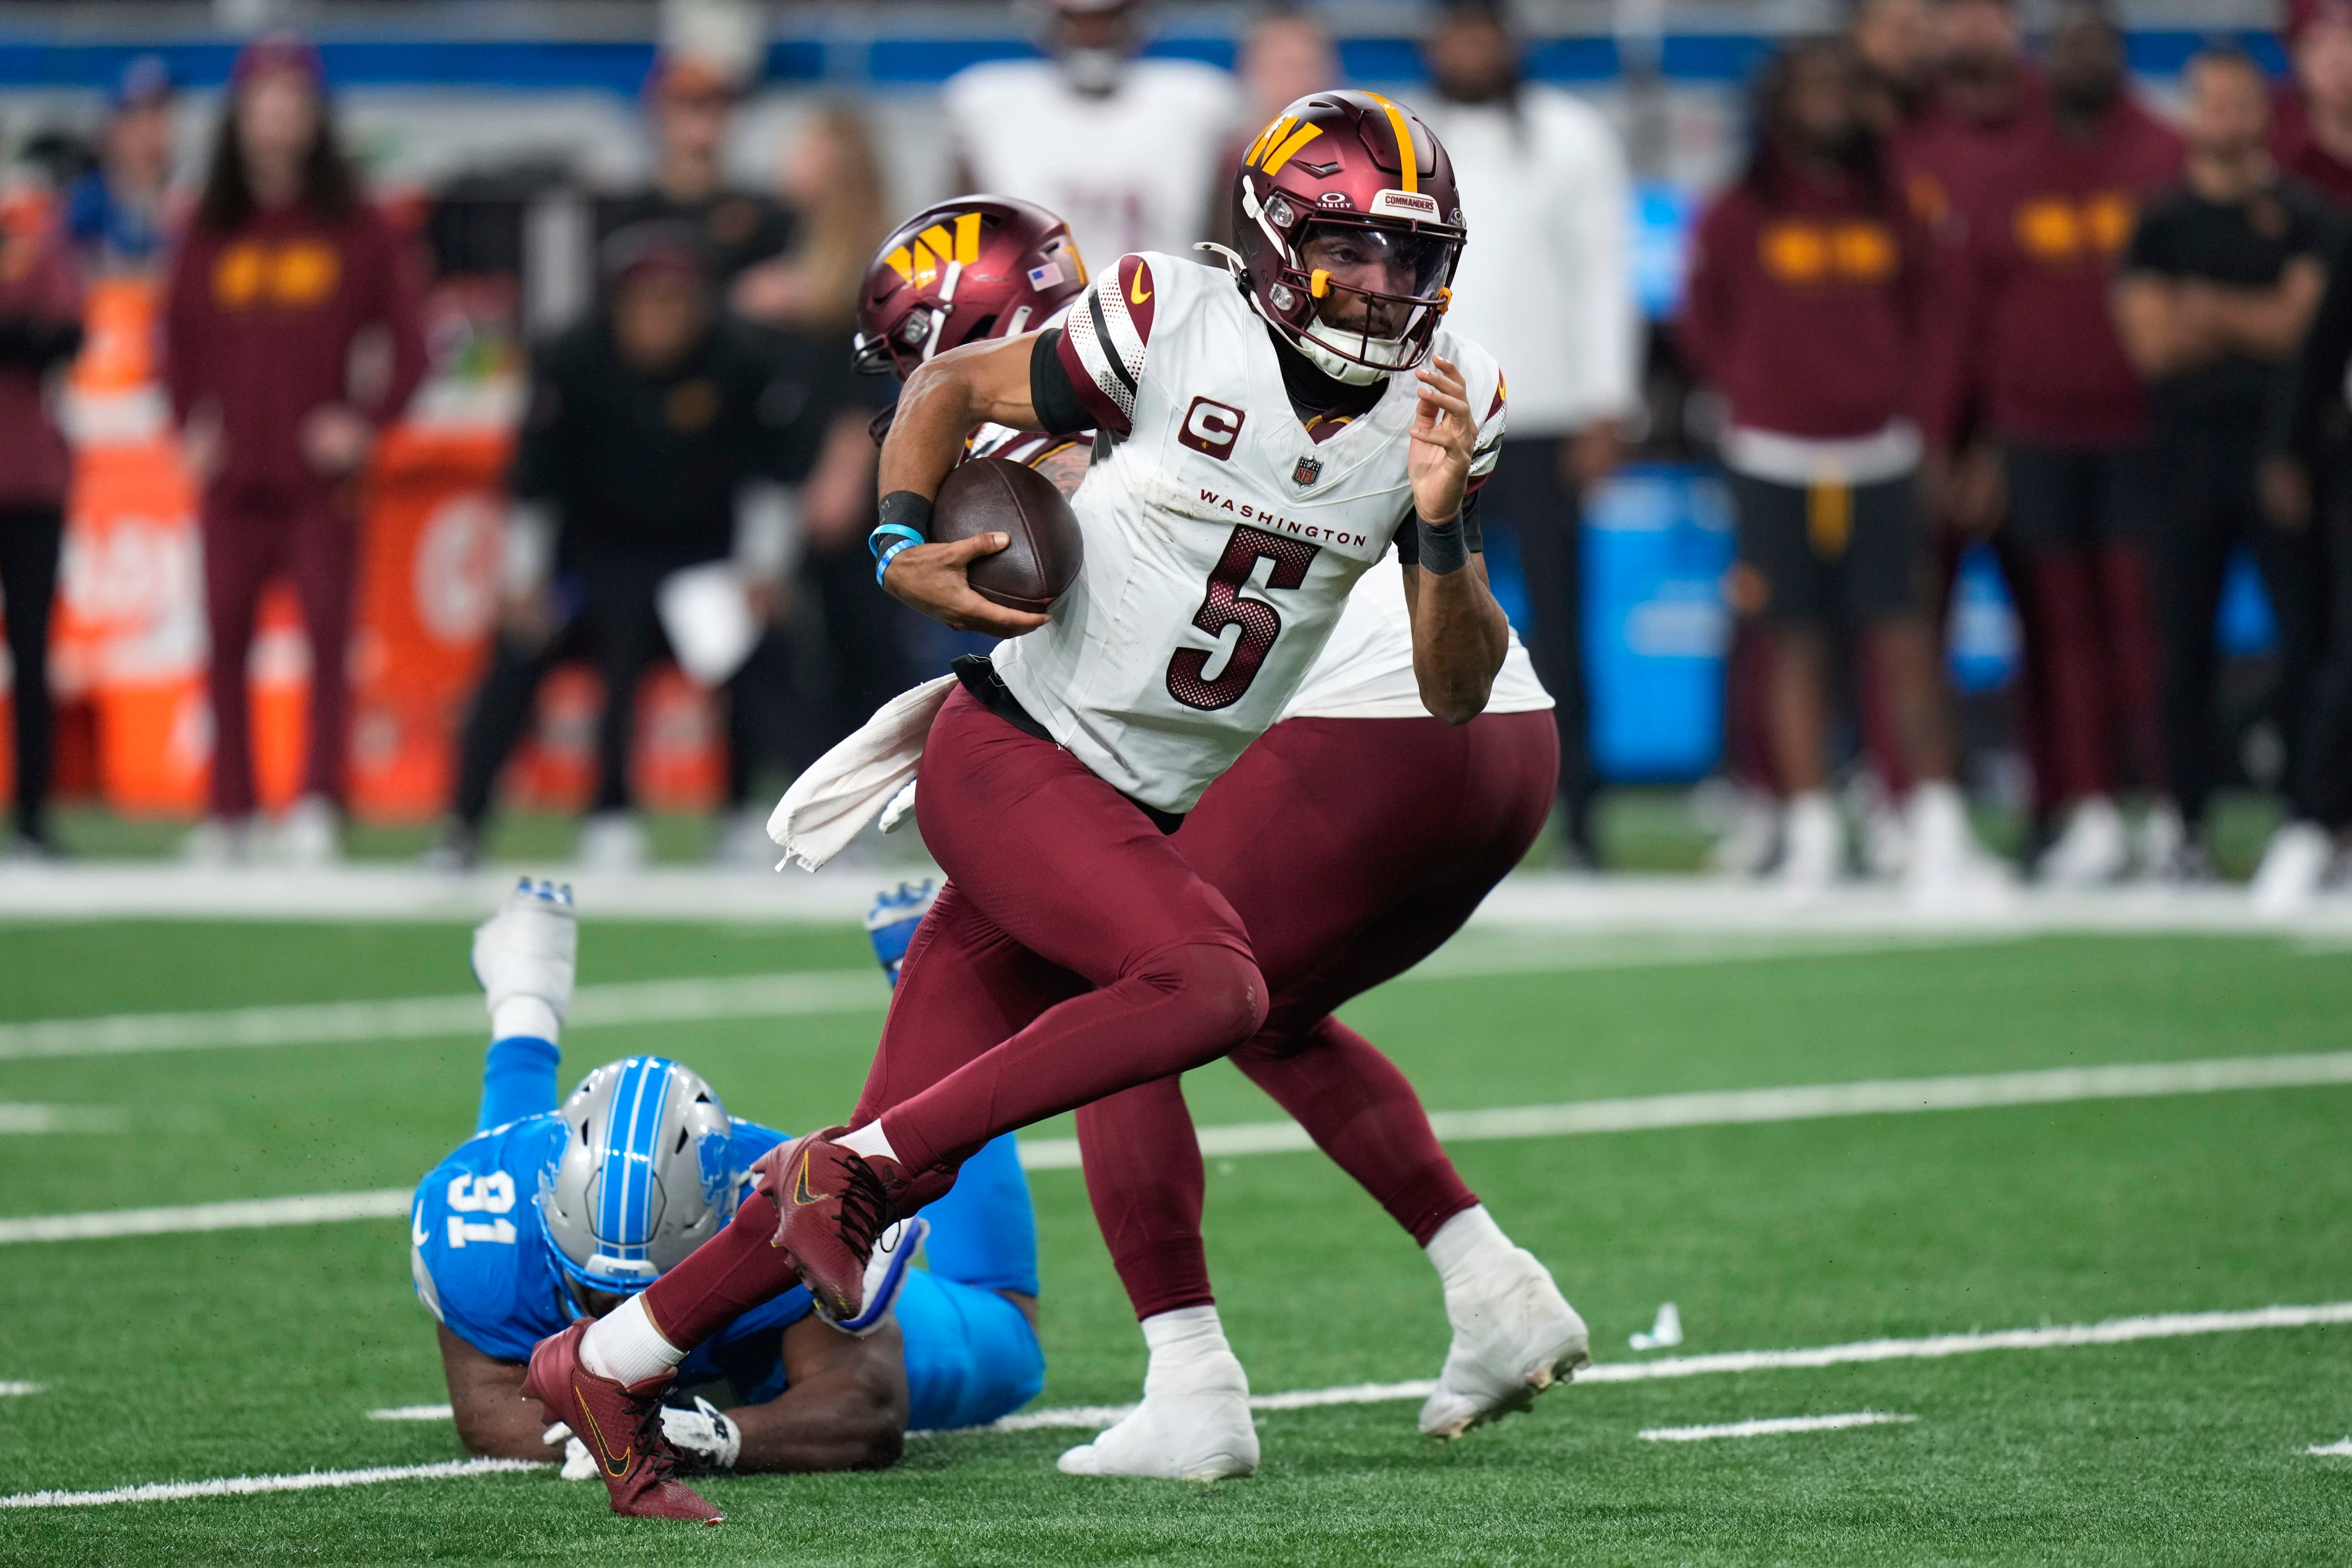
[[259, 1352]]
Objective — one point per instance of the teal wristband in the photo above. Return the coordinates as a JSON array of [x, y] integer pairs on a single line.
[[890, 553], [899, 531]]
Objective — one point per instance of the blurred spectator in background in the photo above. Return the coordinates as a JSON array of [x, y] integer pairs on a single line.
[[116, 212], [2032, 347], [1895, 50], [647, 424], [690, 109], [291, 336], [1286, 55], [1808, 287], [2217, 287], [2312, 141], [1550, 283], [1130, 151], [40, 332]]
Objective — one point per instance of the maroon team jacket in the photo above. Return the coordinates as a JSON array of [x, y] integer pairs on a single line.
[[2034, 346], [261, 320], [1806, 304]]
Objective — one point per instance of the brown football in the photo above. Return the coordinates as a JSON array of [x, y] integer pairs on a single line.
[[990, 495]]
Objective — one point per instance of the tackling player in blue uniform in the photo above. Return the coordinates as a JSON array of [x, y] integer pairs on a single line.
[[547, 1215]]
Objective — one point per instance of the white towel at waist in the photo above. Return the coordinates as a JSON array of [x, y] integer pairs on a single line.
[[841, 791]]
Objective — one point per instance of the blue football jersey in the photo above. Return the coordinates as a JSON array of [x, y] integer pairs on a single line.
[[483, 1267]]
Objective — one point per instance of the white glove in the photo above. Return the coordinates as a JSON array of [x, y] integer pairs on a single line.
[[525, 954], [579, 1465], [703, 1435], [901, 809]]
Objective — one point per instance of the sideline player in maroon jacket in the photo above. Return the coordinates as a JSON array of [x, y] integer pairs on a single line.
[[2037, 354], [1805, 308], [291, 336], [2311, 133]]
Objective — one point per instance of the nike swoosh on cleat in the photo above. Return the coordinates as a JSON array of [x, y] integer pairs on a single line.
[[603, 1448], [801, 1193]]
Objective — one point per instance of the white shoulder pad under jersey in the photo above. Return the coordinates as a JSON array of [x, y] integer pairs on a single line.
[[1365, 672], [1221, 538]]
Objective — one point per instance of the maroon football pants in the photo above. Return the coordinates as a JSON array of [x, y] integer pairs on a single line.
[[249, 537], [1351, 849]]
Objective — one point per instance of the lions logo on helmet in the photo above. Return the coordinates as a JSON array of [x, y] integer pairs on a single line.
[[646, 1176]]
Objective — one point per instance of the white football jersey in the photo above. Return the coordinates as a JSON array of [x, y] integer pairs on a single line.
[[1365, 672], [1134, 169], [1221, 540]]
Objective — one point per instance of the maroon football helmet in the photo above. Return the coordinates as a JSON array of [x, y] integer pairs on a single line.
[[1349, 225], [973, 268]]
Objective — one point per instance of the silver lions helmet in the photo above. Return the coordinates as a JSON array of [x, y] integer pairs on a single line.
[[646, 1174]]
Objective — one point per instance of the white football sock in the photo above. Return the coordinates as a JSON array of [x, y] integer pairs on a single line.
[[525, 1016], [1467, 1247], [1182, 1344], [869, 1141], [625, 1346]]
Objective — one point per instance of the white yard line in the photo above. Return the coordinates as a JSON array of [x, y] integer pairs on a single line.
[[387, 1203], [427, 1017], [2072, 1336], [18, 1117], [1876, 1097], [1648, 1112], [413, 1413], [246, 1486], [1771, 1427], [2115, 1331], [11, 1389], [2342, 1450]]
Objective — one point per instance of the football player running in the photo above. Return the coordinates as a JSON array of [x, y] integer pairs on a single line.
[[1361, 891], [1259, 460], [548, 1218]]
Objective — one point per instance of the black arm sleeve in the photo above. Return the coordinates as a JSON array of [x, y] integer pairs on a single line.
[[2314, 388], [1408, 536], [1050, 392], [35, 342]]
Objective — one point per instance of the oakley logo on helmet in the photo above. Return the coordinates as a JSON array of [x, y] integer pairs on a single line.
[[1405, 204], [1211, 427], [1334, 199]]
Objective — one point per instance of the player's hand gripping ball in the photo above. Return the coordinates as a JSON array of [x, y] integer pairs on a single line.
[[990, 495]]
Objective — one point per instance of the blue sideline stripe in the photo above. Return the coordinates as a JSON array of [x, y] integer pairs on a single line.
[[620, 67]]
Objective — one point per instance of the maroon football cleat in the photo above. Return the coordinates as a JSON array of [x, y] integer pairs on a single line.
[[831, 1204], [622, 1426]]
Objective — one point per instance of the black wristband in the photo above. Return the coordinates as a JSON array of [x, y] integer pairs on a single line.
[[1444, 548], [905, 509]]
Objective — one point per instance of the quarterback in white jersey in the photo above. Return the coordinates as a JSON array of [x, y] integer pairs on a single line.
[[1126, 150], [1076, 952]]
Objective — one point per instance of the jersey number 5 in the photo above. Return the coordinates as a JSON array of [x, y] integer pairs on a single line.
[[1225, 605]]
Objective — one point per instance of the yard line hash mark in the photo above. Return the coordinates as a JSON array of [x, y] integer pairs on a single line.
[[1771, 1427], [247, 1485], [10, 1390], [2342, 1450], [413, 1413], [1877, 1097], [18, 1117]]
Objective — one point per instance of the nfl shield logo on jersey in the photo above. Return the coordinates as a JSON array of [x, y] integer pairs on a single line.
[[1309, 470]]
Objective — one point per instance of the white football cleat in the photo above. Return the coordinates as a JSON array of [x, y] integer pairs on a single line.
[[214, 842], [1812, 847], [613, 843], [2295, 866], [2095, 848], [1200, 1433], [530, 949], [1950, 873], [311, 832], [1515, 1335]]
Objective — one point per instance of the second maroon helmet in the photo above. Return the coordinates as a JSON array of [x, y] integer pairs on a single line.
[[965, 269], [1357, 168]]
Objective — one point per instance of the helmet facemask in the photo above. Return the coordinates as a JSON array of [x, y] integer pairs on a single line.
[[1360, 297]]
